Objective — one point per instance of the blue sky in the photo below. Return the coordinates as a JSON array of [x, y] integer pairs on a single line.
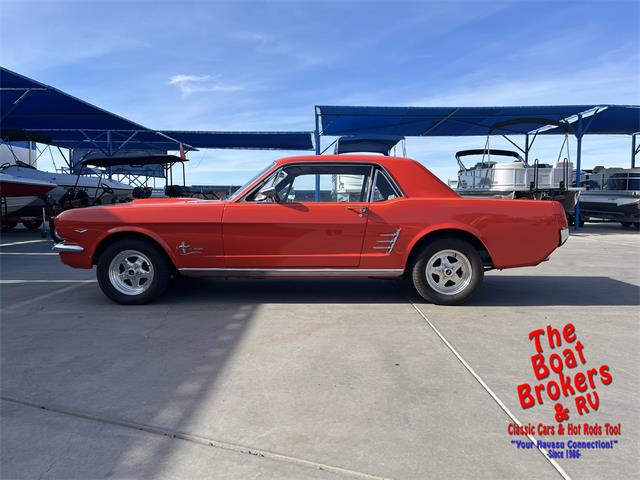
[[264, 65]]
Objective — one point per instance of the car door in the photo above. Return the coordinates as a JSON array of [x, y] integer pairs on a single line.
[[389, 227], [317, 221]]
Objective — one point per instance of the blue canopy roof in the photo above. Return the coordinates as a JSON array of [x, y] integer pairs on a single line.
[[610, 120], [468, 121], [367, 143], [245, 140], [31, 110]]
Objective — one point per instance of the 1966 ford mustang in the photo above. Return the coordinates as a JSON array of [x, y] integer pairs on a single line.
[[329, 216]]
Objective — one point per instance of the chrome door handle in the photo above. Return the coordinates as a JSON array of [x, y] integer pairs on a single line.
[[359, 210]]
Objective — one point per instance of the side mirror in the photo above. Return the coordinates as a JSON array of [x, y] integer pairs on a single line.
[[271, 192]]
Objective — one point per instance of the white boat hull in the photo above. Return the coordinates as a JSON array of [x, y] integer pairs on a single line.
[[611, 205], [65, 181], [508, 177]]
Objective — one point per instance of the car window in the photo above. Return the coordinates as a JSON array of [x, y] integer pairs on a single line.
[[337, 183], [382, 188], [235, 194]]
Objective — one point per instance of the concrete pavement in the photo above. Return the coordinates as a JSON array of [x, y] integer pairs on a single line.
[[302, 378]]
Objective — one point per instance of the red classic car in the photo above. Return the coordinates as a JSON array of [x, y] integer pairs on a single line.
[[330, 216]]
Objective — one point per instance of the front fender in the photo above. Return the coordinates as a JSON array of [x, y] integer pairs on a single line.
[[136, 230]]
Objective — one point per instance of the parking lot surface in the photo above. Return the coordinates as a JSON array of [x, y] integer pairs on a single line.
[[305, 378]]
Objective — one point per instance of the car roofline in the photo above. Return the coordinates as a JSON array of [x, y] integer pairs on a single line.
[[348, 158]]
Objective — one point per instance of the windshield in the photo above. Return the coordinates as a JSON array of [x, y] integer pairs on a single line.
[[235, 194]]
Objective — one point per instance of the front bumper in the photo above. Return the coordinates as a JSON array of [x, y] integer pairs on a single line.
[[564, 235], [64, 248]]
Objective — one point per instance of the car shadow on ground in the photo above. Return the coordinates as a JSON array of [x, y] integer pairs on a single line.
[[497, 290], [299, 290], [123, 364], [514, 291]]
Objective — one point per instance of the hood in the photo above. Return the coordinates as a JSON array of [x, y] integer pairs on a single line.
[[167, 201], [137, 211]]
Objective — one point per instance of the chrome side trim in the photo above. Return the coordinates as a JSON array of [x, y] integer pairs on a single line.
[[389, 239], [62, 248], [292, 272]]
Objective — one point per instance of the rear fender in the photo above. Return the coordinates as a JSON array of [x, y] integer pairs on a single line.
[[452, 227]]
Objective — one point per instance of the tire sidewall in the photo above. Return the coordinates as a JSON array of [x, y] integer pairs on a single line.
[[160, 266], [419, 277]]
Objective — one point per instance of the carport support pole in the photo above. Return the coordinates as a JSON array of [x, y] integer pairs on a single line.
[[316, 137], [633, 150], [579, 133], [110, 147]]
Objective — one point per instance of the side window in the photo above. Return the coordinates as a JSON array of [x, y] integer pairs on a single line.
[[256, 195], [338, 183], [382, 188]]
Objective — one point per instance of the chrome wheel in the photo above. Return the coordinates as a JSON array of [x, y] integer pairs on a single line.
[[131, 272], [448, 272]]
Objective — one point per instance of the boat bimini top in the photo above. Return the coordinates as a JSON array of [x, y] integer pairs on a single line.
[[520, 162], [485, 152]]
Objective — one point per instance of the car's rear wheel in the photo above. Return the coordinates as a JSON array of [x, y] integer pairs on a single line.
[[133, 271], [447, 271]]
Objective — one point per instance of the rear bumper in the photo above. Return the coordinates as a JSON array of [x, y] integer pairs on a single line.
[[64, 248], [564, 235]]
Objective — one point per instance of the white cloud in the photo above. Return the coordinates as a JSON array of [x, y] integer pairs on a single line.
[[259, 37], [179, 79], [189, 84]]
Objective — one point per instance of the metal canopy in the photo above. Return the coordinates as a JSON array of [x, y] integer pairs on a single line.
[[137, 161], [33, 111], [245, 140], [367, 143], [609, 120], [472, 121], [135, 166], [481, 121]]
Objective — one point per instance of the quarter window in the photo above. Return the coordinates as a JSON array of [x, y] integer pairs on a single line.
[[382, 188]]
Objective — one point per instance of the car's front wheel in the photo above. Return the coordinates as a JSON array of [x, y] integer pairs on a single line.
[[447, 271], [133, 271]]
